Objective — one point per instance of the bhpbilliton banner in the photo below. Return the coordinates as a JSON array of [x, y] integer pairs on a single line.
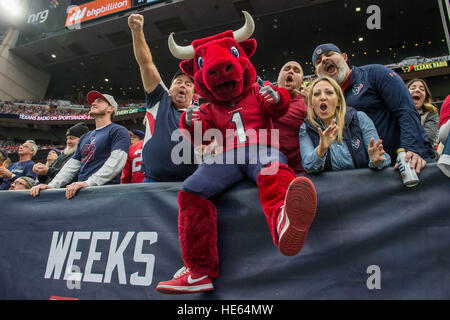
[[95, 9]]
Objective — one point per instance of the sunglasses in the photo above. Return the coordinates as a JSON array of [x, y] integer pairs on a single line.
[[26, 146], [21, 183]]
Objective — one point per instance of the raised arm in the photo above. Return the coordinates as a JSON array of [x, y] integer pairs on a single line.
[[149, 73]]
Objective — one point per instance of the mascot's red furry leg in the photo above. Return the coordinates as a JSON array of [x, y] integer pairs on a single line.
[[289, 204], [197, 231]]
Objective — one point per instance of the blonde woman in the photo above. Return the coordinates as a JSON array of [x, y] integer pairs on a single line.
[[334, 137], [429, 115]]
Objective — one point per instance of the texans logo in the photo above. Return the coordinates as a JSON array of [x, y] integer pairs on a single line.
[[356, 143], [357, 89], [87, 153]]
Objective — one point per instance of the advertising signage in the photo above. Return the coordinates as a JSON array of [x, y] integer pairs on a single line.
[[424, 66], [41, 19], [95, 9], [82, 11]]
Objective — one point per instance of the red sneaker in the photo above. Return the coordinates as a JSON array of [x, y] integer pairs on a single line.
[[296, 215], [184, 281]]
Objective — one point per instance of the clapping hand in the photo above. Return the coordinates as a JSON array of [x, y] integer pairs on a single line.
[[376, 152], [5, 173], [40, 169], [327, 138]]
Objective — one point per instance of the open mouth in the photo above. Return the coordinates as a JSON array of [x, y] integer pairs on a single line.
[[289, 78], [330, 68], [323, 107], [416, 98], [226, 86]]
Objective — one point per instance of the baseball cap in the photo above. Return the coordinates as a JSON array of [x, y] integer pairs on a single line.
[[92, 95], [179, 73], [77, 130], [324, 48], [138, 133]]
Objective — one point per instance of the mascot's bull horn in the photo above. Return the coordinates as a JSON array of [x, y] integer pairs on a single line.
[[247, 30], [187, 52]]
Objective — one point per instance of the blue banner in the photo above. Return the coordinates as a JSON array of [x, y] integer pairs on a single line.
[[372, 238]]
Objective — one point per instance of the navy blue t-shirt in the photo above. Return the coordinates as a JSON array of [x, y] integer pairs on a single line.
[[20, 169], [380, 93], [95, 147], [158, 162]]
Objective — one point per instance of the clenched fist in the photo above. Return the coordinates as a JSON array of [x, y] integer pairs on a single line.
[[136, 22], [40, 169]]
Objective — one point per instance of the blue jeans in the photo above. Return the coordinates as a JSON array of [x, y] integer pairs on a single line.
[[218, 173]]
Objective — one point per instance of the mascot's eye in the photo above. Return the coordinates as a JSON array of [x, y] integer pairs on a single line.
[[234, 52], [200, 62]]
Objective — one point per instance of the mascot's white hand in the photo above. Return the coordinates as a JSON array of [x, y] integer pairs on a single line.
[[269, 94], [192, 114]]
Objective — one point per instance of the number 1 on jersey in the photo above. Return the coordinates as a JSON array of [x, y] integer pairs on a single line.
[[240, 129]]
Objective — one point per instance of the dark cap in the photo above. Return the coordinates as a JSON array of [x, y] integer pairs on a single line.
[[179, 73], [55, 151], [77, 130], [324, 48], [138, 133]]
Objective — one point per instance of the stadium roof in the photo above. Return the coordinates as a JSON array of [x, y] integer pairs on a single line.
[[285, 30]]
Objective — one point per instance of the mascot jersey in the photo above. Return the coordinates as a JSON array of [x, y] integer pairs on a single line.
[[241, 123]]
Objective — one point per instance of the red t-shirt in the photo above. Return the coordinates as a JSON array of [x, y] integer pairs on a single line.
[[444, 112], [131, 173], [289, 126]]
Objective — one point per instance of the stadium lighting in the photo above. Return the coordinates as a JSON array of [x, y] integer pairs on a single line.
[[358, 9], [106, 80], [360, 39], [53, 56], [12, 8]]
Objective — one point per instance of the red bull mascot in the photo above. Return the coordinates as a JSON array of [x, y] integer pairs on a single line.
[[241, 112]]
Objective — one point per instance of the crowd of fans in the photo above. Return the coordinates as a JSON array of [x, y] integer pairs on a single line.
[[38, 110], [420, 94], [44, 108], [12, 146]]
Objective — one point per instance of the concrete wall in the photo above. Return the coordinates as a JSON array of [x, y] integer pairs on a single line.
[[19, 79]]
